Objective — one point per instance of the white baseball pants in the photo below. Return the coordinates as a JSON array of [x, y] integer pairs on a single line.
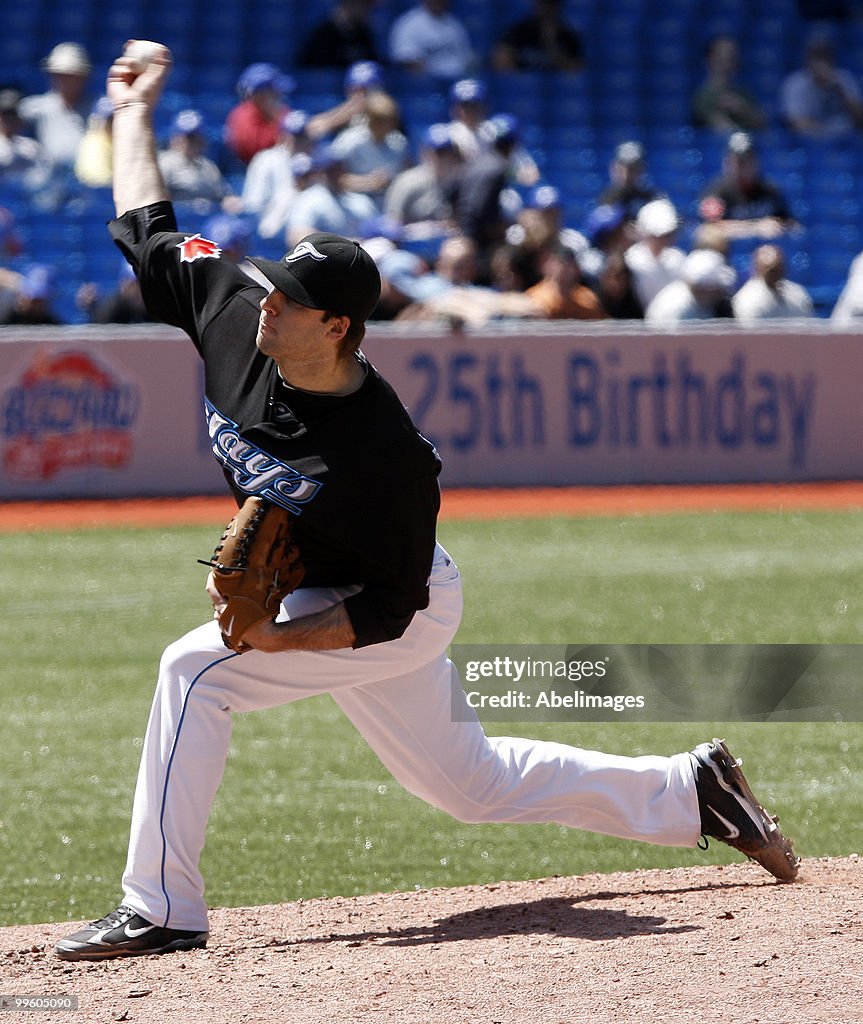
[[398, 695]]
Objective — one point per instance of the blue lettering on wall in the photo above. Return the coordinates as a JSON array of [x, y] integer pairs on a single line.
[[674, 405], [490, 400], [53, 407]]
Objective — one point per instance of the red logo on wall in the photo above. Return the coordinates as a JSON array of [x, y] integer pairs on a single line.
[[67, 412]]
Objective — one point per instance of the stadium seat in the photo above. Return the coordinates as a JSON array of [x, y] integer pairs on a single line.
[[645, 57]]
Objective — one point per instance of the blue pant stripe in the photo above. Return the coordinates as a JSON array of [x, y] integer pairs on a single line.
[[168, 777]]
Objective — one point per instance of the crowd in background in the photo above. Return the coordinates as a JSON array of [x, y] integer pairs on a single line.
[[457, 214]]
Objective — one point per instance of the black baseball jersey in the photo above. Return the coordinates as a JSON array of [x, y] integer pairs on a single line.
[[724, 199], [361, 481]]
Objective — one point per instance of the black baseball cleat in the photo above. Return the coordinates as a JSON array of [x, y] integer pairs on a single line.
[[125, 933], [731, 813]]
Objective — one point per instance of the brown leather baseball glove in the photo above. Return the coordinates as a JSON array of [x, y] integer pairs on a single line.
[[255, 565]]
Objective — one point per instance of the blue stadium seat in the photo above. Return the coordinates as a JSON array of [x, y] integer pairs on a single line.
[[314, 80], [424, 110], [571, 109], [645, 58]]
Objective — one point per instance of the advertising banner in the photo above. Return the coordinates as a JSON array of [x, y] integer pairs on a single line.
[[91, 412]]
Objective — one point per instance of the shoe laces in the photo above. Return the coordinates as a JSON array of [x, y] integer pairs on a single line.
[[119, 916]]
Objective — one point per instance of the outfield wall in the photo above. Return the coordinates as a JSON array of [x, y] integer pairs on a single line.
[[87, 412]]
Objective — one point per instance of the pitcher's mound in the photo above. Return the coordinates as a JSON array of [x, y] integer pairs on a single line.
[[653, 947]]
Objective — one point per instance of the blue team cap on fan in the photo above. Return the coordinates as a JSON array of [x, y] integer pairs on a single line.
[[502, 128], [602, 220], [438, 136], [468, 90], [364, 74], [188, 122], [301, 165], [295, 122], [264, 76], [227, 231], [38, 282], [544, 197]]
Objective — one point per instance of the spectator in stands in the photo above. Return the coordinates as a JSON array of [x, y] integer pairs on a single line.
[[269, 186], [540, 224], [34, 298], [420, 197], [455, 298], [123, 306], [720, 102], [561, 294], [11, 245], [768, 295], [327, 206], [94, 163], [628, 185], [511, 269], [468, 99], [255, 122], [616, 290], [406, 280], [10, 282], [304, 173], [654, 260], [741, 202], [375, 152], [428, 39], [711, 236], [848, 311], [342, 38], [363, 79], [542, 41], [22, 159], [824, 10], [821, 100], [473, 133], [189, 175], [479, 209], [607, 231], [701, 293], [58, 118], [456, 270]]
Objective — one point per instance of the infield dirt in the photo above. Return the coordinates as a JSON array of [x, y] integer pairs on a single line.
[[468, 503], [674, 947]]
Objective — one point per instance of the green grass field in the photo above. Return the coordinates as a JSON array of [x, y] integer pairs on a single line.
[[305, 808]]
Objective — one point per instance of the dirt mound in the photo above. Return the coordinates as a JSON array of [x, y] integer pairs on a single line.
[[676, 946]]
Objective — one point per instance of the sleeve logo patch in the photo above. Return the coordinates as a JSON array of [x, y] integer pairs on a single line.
[[196, 248]]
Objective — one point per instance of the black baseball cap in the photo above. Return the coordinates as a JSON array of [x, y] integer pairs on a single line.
[[325, 271]]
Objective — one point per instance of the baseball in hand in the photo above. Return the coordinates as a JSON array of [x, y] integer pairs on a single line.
[[141, 52]]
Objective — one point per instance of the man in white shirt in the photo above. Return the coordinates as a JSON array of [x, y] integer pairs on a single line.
[[375, 152], [419, 195], [326, 206], [701, 292], [654, 261], [848, 310], [822, 100], [429, 40], [768, 295], [22, 159], [189, 175], [58, 117], [269, 187]]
